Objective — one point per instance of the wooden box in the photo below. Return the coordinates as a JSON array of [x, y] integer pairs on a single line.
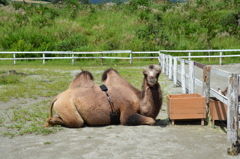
[[186, 106], [218, 110]]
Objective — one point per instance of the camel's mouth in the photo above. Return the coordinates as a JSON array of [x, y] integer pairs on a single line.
[[151, 83]]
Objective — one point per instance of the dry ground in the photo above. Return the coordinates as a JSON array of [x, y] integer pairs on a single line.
[[184, 140]]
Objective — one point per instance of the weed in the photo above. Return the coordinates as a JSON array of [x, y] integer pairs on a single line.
[[47, 142]]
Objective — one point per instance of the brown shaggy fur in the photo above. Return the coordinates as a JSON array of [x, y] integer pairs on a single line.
[[85, 103]]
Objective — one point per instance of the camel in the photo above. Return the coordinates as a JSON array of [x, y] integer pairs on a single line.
[[84, 103], [226, 91], [225, 94]]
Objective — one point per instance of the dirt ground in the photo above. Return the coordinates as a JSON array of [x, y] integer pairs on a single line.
[[186, 140]]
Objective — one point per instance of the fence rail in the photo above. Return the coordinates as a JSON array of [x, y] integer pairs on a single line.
[[220, 56], [130, 55], [186, 71], [77, 55]]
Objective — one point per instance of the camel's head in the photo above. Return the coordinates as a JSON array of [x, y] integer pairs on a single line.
[[151, 74], [223, 92]]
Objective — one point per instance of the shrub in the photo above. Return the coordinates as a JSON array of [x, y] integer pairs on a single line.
[[4, 2], [229, 22]]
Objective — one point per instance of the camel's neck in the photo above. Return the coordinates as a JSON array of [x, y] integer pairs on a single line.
[[151, 100]]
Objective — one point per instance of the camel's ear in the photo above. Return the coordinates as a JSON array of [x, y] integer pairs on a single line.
[[144, 73]]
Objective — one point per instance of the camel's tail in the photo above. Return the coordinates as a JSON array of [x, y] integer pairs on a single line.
[[51, 112]]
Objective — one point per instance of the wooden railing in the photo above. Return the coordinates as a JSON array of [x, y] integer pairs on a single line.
[[46, 55], [182, 72], [113, 54]]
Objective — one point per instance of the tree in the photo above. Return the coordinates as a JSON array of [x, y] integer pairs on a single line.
[[4, 2]]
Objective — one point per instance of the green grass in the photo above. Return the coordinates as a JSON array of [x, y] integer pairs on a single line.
[[158, 26]]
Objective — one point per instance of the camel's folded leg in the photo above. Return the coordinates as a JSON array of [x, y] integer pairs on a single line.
[[137, 119], [72, 120], [54, 121]]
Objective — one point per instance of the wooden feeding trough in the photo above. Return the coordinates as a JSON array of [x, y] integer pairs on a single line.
[[186, 106], [218, 110]]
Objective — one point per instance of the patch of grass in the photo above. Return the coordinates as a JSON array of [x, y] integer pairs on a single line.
[[29, 120], [47, 142], [9, 79]]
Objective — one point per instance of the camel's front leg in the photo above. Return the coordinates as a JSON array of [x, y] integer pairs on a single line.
[[136, 119]]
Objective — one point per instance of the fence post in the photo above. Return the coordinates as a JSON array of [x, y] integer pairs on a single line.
[[189, 56], [220, 59], [167, 64], [160, 59], [191, 77], [101, 59], [206, 85], [43, 58], [170, 68], [232, 116], [131, 57], [73, 59], [183, 76], [175, 70], [163, 63], [14, 57]]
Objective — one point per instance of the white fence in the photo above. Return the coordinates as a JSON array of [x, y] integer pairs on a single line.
[[129, 55], [182, 72], [189, 52], [87, 55]]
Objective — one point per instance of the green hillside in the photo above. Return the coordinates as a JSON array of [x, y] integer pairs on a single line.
[[137, 25]]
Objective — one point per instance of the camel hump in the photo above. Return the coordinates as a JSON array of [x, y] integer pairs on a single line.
[[84, 78], [105, 73], [84, 73]]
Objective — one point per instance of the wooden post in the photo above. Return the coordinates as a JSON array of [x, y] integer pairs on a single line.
[[206, 85], [191, 77], [189, 56], [163, 63], [14, 56], [183, 76], [73, 59], [43, 58], [232, 116], [101, 59], [167, 64], [170, 68], [175, 73], [160, 59], [220, 59], [131, 57]]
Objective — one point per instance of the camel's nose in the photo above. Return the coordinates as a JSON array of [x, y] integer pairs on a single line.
[[151, 80]]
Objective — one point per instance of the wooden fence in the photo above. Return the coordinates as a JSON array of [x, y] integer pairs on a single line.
[[46, 55], [128, 55], [182, 72], [189, 52]]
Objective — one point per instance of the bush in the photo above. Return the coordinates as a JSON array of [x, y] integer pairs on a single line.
[[72, 43], [229, 22], [4, 2]]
